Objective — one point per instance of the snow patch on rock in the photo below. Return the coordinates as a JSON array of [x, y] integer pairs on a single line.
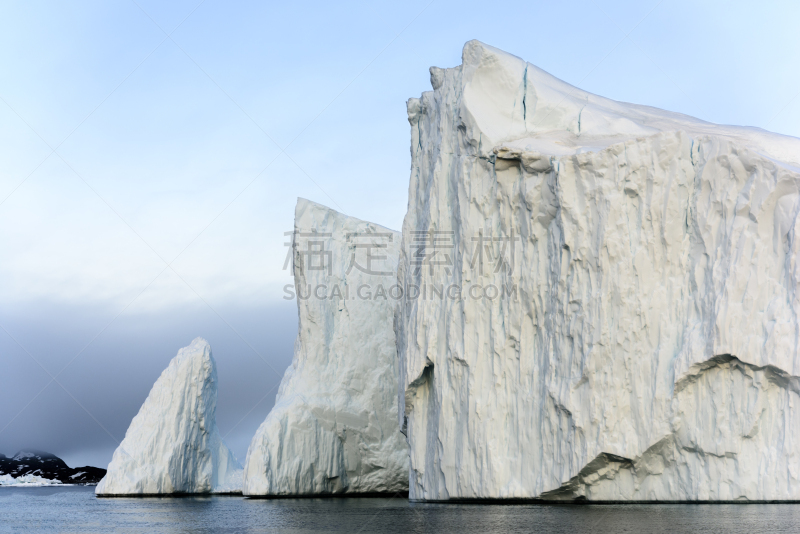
[[173, 444]]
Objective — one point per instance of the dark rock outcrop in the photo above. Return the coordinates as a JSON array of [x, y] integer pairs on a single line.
[[50, 466]]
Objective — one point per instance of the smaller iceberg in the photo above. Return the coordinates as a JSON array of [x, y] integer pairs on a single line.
[[29, 481], [173, 444], [334, 428]]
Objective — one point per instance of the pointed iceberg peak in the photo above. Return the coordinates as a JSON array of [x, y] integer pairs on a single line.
[[173, 444]]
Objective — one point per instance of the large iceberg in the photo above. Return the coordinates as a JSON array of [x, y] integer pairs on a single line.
[[613, 309], [334, 429], [173, 444]]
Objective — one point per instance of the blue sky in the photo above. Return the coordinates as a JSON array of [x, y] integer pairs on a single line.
[[185, 131]]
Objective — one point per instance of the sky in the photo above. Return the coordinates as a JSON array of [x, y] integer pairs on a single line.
[[151, 155]]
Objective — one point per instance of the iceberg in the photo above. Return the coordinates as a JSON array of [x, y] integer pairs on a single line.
[[173, 444], [333, 429], [614, 310], [29, 481]]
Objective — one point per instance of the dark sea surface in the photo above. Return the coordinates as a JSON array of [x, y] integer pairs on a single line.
[[75, 509]]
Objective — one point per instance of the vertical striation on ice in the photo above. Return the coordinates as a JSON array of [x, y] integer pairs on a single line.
[[644, 343], [173, 444], [334, 425]]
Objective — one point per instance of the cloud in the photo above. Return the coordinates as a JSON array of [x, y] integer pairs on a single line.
[[112, 377]]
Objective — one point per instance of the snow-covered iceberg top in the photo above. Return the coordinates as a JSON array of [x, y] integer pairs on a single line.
[[505, 101], [173, 444], [334, 427]]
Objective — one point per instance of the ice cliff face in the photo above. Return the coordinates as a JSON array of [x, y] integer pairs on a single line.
[[625, 324], [173, 444], [334, 425]]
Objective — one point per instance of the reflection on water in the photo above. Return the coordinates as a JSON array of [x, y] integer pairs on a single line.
[[75, 509]]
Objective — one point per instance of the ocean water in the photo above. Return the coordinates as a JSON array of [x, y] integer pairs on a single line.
[[75, 509]]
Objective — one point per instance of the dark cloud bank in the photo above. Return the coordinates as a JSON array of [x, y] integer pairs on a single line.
[[113, 375]]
